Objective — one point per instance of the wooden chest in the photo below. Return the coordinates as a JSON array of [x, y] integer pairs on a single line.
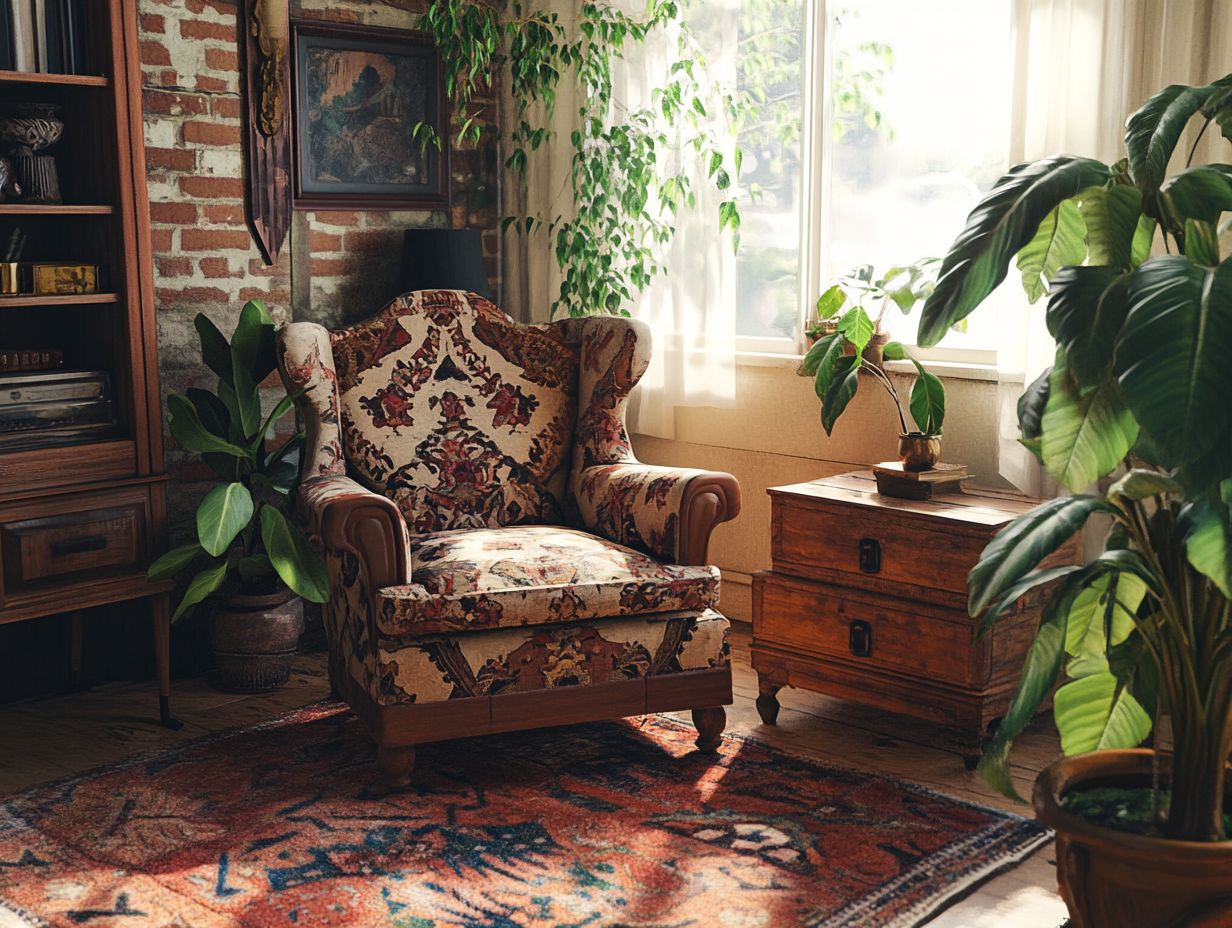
[[867, 600]]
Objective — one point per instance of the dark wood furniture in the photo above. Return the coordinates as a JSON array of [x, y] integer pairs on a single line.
[[867, 600], [79, 522]]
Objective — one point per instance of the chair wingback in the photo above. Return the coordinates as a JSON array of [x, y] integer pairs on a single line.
[[306, 361], [460, 415], [615, 352]]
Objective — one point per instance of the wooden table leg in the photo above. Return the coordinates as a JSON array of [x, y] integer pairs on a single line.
[[76, 632], [767, 700], [160, 608]]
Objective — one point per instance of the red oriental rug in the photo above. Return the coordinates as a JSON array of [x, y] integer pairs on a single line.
[[619, 823]]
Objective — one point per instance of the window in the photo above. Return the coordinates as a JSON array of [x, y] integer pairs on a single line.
[[882, 166]]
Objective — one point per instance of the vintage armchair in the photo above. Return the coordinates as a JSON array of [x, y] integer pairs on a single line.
[[498, 558]]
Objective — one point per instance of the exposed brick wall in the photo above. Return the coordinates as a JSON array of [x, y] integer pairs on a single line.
[[335, 267]]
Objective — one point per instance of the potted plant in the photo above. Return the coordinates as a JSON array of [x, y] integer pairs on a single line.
[[1138, 393], [253, 562], [835, 361], [902, 286]]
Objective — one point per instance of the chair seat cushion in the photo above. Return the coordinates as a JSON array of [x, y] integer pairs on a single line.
[[527, 659], [473, 579]]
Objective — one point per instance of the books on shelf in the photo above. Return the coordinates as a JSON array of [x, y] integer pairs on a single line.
[[54, 407], [895, 480], [48, 36]]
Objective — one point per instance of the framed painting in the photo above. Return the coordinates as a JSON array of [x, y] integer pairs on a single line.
[[359, 91]]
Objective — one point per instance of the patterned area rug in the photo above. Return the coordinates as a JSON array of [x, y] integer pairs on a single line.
[[618, 823]]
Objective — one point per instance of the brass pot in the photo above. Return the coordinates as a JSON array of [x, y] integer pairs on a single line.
[[918, 451], [253, 638], [1109, 877]]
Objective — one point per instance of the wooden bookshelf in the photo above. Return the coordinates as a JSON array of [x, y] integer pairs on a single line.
[[66, 80], [93, 511], [55, 209], [76, 299]]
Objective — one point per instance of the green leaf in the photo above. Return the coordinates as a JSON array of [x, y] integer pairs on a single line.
[[1020, 546], [1140, 483], [1031, 406], [222, 515], [252, 357], [840, 391], [1144, 238], [1201, 242], [830, 302], [1112, 218], [1208, 538], [997, 229], [215, 351], [1009, 599], [927, 402], [817, 350], [1152, 132], [856, 327], [173, 562], [206, 582], [210, 410], [1057, 242], [186, 428], [1039, 673], [1085, 314], [1084, 437], [826, 364], [1201, 193], [1102, 616], [895, 351], [296, 563], [1096, 713], [1172, 355]]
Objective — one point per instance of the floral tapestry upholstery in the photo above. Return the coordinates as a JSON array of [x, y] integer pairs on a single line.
[[306, 361], [527, 659], [474, 579], [461, 416], [613, 493]]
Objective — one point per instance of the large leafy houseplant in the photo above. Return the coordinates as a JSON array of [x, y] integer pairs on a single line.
[[245, 544], [1139, 393]]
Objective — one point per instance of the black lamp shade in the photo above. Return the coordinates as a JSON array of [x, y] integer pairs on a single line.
[[444, 259]]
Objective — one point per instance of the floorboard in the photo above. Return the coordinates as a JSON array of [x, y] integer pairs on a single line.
[[46, 739]]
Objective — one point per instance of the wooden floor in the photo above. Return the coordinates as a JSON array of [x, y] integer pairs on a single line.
[[48, 738]]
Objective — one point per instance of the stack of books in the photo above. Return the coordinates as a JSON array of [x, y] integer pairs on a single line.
[[895, 480], [54, 407], [51, 36]]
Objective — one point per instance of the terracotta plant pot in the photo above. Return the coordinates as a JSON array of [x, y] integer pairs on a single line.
[[918, 451], [1110, 877], [253, 638]]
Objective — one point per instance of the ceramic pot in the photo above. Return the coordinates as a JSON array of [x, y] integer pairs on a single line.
[[1110, 877], [918, 451], [253, 638]]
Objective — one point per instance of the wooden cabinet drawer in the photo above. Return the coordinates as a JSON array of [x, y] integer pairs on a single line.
[[876, 632], [828, 541], [86, 541]]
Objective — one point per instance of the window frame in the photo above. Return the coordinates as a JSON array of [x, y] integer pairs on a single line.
[[815, 183]]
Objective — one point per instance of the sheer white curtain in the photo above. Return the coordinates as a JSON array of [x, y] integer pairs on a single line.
[[691, 310], [1080, 68]]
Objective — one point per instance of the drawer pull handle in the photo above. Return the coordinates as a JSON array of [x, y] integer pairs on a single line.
[[860, 638], [870, 555], [79, 545]]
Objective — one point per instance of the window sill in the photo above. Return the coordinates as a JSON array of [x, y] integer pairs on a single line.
[[949, 370]]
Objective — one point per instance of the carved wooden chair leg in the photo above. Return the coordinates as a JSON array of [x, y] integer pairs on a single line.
[[396, 764], [768, 702], [710, 724]]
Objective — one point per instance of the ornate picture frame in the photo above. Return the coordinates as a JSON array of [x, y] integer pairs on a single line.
[[357, 93]]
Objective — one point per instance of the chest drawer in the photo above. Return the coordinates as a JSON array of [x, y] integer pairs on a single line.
[[870, 631], [87, 540]]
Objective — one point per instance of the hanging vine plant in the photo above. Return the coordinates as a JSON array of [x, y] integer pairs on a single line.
[[627, 184]]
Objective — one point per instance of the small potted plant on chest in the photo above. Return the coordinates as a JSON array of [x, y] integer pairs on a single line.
[[252, 562], [835, 362], [1138, 397]]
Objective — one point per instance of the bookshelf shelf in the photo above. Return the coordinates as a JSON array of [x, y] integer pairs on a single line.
[[71, 300], [65, 80], [56, 209]]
